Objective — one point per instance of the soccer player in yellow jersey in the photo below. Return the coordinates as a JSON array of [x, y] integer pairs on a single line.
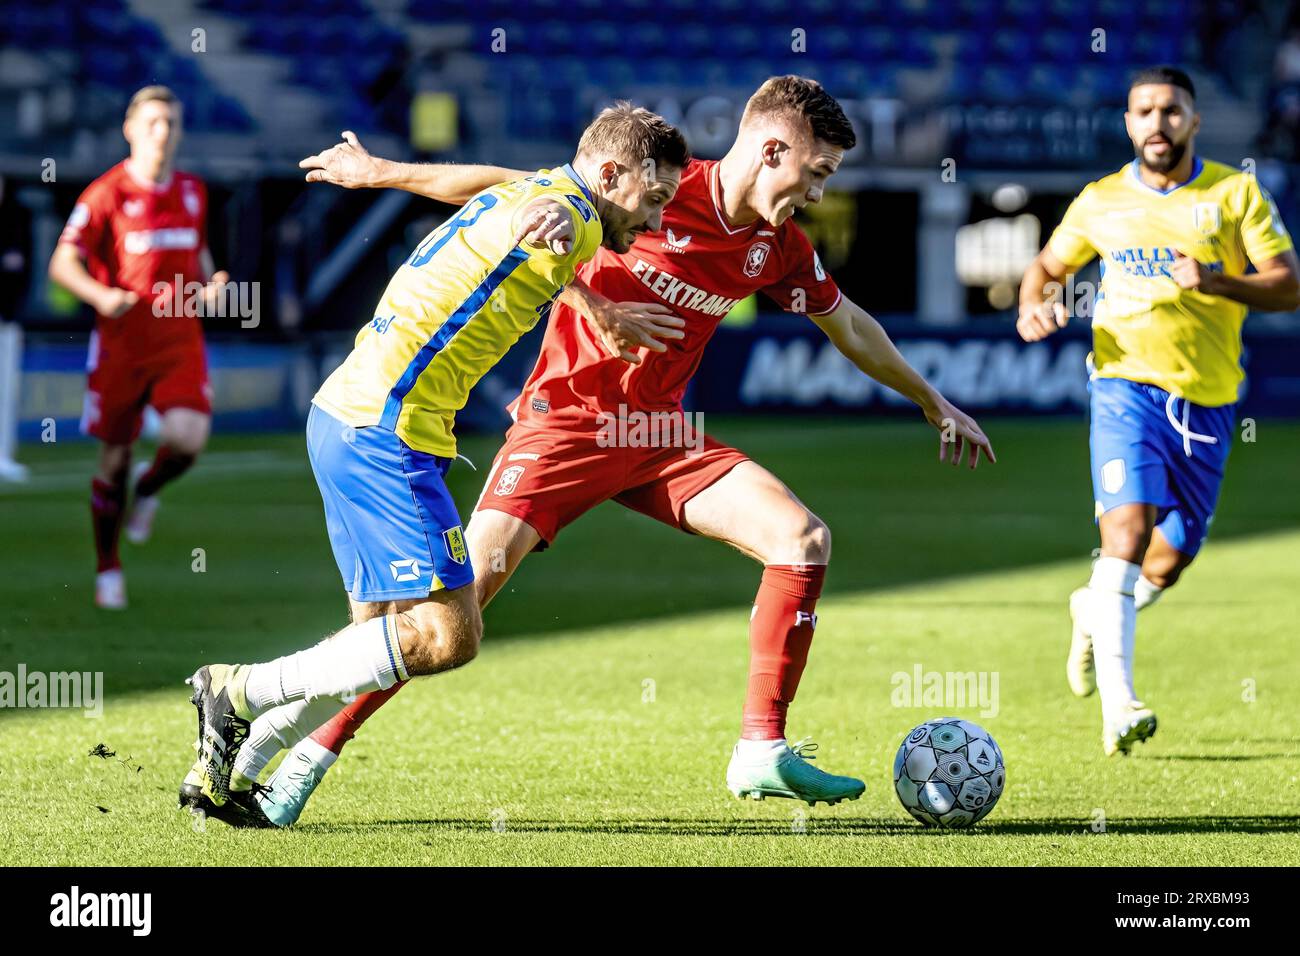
[[1175, 234], [380, 436]]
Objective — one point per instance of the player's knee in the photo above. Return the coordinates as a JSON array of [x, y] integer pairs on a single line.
[[1162, 581], [443, 641], [115, 466], [1165, 578], [1127, 540], [807, 541], [816, 540], [186, 443]]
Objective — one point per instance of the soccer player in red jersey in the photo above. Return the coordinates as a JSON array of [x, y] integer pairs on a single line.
[[135, 238], [727, 234]]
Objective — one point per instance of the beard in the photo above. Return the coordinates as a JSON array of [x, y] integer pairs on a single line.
[[1162, 164], [619, 239]]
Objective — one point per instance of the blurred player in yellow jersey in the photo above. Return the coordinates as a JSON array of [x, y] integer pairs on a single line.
[[380, 436], [1175, 234]]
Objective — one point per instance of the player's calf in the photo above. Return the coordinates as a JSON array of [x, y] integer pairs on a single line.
[[107, 511]]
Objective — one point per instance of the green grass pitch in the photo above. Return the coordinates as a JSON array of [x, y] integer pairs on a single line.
[[596, 724]]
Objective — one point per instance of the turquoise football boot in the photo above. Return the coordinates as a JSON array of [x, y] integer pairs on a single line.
[[290, 787], [786, 772]]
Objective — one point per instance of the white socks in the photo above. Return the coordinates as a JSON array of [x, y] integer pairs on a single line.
[[1145, 593], [360, 658], [758, 751], [322, 757], [1113, 622], [280, 728]]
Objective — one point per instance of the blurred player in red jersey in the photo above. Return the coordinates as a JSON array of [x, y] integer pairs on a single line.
[[727, 234], [137, 228]]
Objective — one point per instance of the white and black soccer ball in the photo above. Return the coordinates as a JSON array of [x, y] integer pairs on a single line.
[[949, 773]]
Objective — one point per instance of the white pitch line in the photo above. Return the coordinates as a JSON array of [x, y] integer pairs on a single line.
[[214, 465]]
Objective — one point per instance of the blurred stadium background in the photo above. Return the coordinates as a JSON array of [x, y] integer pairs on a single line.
[[978, 120]]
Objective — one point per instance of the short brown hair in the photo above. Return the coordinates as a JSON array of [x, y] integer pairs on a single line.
[[633, 134], [797, 97], [149, 94]]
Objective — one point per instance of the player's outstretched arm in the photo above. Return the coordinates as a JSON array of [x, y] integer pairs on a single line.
[[1041, 309], [69, 271], [862, 340], [624, 327], [351, 165]]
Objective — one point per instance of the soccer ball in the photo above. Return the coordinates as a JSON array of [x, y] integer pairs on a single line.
[[949, 773]]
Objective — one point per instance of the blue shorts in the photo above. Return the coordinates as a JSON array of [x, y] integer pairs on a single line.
[[392, 522], [1151, 447]]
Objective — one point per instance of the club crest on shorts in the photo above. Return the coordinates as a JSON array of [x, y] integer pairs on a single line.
[[509, 479], [454, 540], [756, 258], [1207, 218]]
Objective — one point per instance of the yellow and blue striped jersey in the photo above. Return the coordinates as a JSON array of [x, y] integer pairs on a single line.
[[1147, 328], [454, 307]]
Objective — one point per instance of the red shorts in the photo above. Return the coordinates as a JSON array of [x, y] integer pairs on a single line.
[[548, 477], [118, 388]]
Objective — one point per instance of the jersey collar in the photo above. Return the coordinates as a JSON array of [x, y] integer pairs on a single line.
[[1197, 168], [568, 170]]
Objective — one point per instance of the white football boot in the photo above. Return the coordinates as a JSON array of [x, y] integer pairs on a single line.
[[1080, 668], [139, 521], [1134, 723], [110, 590]]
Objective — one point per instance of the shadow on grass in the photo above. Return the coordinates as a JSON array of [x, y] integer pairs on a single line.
[[1225, 758], [270, 586], [837, 827]]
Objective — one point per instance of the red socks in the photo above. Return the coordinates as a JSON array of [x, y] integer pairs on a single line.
[[345, 724], [167, 466], [107, 508], [780, 634]]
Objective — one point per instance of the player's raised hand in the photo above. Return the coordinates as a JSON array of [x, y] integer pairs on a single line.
[[624, 327], [212, 291], [115, 303], [347, 164], [957, 432], [1190, 273], [1040, 321], [547, 224]]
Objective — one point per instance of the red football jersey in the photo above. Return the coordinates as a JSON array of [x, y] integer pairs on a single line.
[[699, 266], [135, 234]]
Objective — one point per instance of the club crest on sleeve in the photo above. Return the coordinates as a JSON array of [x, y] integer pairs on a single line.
[[756, 258], [454, 540]]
